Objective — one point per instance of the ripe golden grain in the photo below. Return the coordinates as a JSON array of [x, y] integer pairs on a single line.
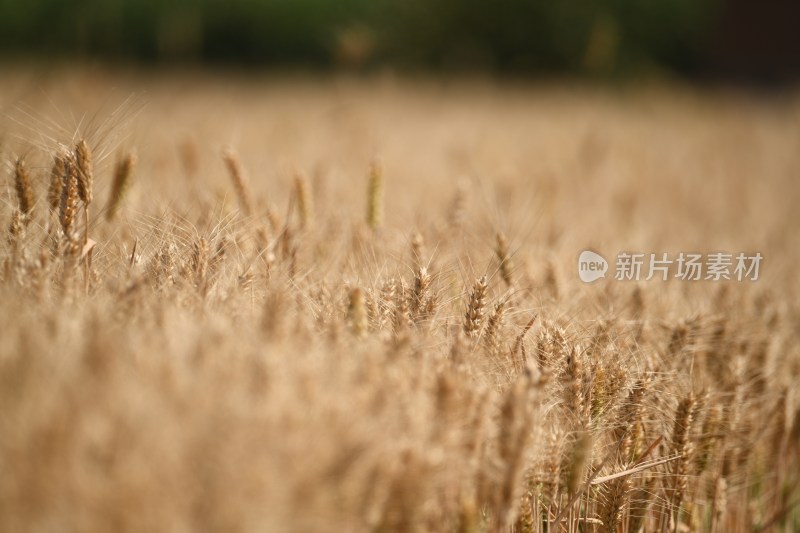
[[239, 372]]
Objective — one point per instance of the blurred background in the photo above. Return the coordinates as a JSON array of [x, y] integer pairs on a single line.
[[697, 39]]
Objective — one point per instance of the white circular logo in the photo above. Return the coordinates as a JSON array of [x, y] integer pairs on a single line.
[[591, 266]]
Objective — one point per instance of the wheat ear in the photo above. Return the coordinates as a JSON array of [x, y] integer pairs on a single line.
[[22, 183], [122, 178], [240, 182], [305, 202], [85, 174], [501, 251], [375, 195], [473, 318]]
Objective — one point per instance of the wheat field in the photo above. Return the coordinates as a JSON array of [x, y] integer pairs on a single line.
[[298, 304]]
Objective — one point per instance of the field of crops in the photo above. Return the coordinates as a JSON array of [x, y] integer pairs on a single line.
[[301, 304]]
